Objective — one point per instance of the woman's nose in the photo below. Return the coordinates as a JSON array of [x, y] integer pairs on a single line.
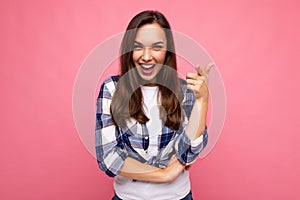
[[147, 54]]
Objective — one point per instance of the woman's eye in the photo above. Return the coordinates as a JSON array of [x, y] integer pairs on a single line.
[[137, 47], [157, 47]]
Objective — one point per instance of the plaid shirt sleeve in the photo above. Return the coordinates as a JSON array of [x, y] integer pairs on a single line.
[[186, 151], [109, 150]]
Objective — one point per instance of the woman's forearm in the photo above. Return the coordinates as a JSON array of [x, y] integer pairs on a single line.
[[197, 121], [136, 170], [198, 83]]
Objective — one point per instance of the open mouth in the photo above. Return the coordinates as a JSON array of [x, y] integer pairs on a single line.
[[147, 68]]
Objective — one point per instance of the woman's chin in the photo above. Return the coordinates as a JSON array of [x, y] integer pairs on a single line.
[[148, 79]]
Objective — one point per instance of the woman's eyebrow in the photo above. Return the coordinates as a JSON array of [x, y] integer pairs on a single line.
[[155, 43], [160, 42], [138, 42]]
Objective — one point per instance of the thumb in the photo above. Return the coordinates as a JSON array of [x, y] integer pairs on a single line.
[[199, 70]]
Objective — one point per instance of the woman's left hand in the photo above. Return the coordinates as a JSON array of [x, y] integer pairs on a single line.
[[198, 82]]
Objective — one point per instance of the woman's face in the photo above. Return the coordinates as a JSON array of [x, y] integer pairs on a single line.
[[149, 50]]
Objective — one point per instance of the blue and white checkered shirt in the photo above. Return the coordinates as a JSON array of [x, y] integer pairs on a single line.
[[114, 145]]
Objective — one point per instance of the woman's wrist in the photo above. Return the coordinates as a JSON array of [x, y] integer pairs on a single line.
[[164, 175], [202, 100], [172, 171], [197, 121]]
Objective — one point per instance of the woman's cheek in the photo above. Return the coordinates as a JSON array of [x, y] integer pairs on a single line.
[[160, 56]]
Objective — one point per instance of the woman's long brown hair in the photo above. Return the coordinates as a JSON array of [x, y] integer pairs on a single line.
[[127, 100]]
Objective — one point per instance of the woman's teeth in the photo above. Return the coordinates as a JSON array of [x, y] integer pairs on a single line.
[[147, 67]]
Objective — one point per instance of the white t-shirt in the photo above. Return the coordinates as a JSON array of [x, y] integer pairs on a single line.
[[128, 189]]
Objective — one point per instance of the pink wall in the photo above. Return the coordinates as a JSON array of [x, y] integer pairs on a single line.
[[255, 45]]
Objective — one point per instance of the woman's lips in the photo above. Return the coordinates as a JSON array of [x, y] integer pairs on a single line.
[[147, 68]]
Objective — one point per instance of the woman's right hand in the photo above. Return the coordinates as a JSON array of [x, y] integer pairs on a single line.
[[173, 170]]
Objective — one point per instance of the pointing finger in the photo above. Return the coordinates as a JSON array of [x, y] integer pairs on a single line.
[[208, 67]]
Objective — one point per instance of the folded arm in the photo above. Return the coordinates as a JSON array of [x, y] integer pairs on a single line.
[[111, 153]]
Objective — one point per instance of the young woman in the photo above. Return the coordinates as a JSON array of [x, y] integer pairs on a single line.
[[150, 125]]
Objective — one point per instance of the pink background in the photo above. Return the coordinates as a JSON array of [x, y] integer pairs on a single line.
[[255, 45]]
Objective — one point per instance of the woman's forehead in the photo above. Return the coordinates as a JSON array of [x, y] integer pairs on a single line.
[[150, 33]]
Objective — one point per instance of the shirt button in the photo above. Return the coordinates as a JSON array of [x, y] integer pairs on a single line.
[[146, 137]]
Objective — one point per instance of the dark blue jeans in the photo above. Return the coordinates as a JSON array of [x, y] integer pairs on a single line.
[[187, 197]]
